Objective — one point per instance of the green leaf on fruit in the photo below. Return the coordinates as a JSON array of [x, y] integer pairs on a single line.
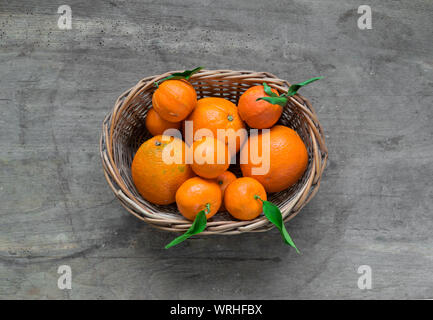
[[180, 75], [197, 226], [282, 99], [268, 90]]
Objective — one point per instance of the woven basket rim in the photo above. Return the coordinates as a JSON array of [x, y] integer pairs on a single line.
[[144, 211]]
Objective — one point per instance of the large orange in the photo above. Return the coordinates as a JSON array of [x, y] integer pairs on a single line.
[[195, 195], [211, 157], [155, 179], [288, 158], [242, 198], [223, 180], [214, 113], [174, 100], [157, 125], [258, 114]]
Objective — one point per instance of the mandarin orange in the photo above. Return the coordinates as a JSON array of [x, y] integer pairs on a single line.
[[211, 157], [223, 180], [241, 198], [155, 179], [197, 194], [174, 100], [288, 158], [157, 125], [258, 114], [213, 113]]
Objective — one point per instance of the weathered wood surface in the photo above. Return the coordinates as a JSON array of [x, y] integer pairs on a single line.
[[375, 203]]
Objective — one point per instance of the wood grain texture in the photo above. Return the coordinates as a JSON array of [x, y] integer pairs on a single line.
[[375, 202]]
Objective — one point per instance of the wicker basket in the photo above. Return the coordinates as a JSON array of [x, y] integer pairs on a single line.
[[124, 131]]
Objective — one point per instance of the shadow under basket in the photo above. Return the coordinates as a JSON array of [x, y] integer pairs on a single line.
[[124, 131]]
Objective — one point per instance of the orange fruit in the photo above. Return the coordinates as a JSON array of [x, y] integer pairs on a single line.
[[174, 100], [211, 157], [258, 114], [155, 179], [223, 180], [217, 113], [240, 198], [157, 125], [193, 196], [288, 158]]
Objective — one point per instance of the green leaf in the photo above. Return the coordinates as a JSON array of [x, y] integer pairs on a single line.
[[197, 226], [180, 75], [281, 100], [273, 213], [268, 90], [295, 87]]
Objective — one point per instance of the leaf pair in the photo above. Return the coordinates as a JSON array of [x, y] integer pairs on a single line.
[[197, 226], [282, 99], [271, 211], [180, 75]]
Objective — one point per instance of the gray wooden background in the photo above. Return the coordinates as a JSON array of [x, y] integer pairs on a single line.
[[375, 203]]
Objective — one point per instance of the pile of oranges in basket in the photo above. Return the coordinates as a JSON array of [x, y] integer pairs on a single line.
[[195, 141]]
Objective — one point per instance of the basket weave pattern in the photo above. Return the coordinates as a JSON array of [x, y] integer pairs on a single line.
[[124, 131]]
